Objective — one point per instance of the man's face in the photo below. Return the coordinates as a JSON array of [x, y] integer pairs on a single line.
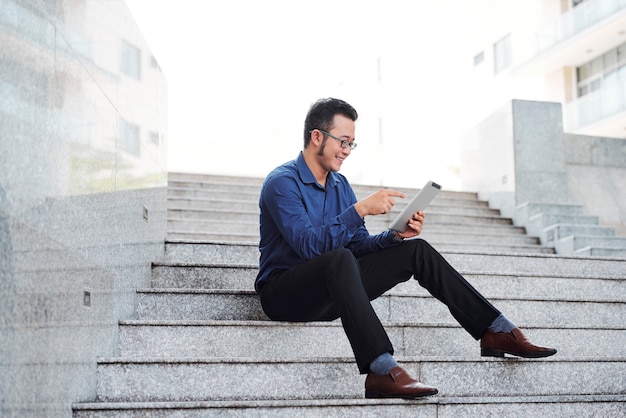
[[331, 154]]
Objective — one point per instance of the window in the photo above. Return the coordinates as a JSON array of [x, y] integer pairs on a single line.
[[130, 63], [154, 63], [129, 138], [602, 71], [502, 54], [153, 138], [478, 58]]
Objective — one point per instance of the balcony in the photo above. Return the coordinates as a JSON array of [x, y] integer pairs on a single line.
[[575, 37], [577, 20], [602, 112]]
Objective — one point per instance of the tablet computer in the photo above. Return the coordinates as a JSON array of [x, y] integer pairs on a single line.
[[419, 202]]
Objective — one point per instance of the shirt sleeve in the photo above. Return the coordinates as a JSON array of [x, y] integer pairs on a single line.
[[283, 200], [363, 244]]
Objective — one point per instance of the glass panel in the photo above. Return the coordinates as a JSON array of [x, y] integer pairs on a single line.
[[621, 52], [74, 246], [583, 72], [502, 54], [130, 63], [610, 59], [595, 84], [478, 58], [129, 137], [154, 138], [621, 73], [610, 78], [596, 66]]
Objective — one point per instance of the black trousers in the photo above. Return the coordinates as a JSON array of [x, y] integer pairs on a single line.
[[339, 285]]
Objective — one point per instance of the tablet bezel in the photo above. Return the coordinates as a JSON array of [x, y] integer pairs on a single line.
[[419, 202]]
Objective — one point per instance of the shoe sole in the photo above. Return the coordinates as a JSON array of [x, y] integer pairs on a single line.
[[370, 394], [492, 352]]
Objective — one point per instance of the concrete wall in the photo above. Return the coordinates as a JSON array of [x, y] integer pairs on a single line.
[[521, 155], [82, 193], [596, 177]]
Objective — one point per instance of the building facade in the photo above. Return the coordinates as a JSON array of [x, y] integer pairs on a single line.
[[568, 51]]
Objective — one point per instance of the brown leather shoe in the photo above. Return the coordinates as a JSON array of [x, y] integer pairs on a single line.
[[396, 384], [496, 344]]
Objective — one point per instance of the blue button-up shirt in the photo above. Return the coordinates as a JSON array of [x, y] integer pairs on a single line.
[[300, 219]]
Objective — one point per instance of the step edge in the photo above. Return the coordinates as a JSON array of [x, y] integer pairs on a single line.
[[144, 360], [330, 324], [452, 400]]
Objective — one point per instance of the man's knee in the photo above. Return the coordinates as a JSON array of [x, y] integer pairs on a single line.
[[341, 255], [421, 247], [342, 265]]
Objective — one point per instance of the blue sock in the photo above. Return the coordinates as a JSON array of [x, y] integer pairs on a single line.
[[383, 364], [501, 324]]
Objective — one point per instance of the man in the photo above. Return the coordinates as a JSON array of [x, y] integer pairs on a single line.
[[318, 261]]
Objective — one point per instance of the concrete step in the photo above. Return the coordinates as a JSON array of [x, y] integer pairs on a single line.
[[495, 247], [176, 211], [437, 223], [202, 208], [212, 182], [220, 190], [601, 252], [569, 231], [544, 220], [451, 228], [250, 191], [201, 304], [441, 240], [209, 194], [221, 193], [197, 179], [374, 225], [586, 245], [527, 210], [215, 204], [247, 254], [537, 224], [493, 286], [262, 339], [527, 286], [559, 231], [218, 252], [431, 407], [240, 222], [183, 379]]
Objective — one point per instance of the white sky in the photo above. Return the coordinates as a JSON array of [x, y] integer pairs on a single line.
[[242, 74]]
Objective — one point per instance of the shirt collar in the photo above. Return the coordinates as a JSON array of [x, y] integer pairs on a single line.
[[307, 177]]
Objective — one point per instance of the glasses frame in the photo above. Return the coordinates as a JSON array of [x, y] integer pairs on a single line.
[[344, 143]]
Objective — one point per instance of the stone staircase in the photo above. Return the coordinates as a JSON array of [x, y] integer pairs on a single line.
[[201, 346], [569, 231]]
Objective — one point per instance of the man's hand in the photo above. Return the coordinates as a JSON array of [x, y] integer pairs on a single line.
[[414, 228], [377, 203]]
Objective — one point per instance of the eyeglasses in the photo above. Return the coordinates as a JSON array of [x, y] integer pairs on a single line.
[[343, 142]]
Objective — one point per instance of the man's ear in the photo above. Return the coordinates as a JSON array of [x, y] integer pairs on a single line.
[[316, 137]]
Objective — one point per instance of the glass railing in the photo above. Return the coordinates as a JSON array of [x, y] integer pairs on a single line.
[[577, 20], [593, 107]]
